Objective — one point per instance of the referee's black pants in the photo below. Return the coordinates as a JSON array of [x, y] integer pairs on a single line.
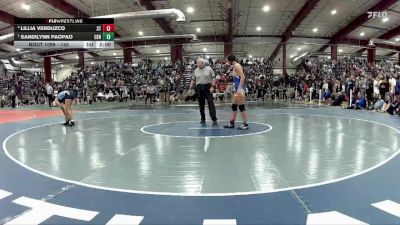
[[50, 99], [203, 92]]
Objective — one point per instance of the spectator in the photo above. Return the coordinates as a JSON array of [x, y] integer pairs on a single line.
[[326, 96], [386, 105], [383, 87], [320, 73], [398, 85], [369, 90], [325, 86], [110, 96], [394, 107], [376, 84], [350, 86], [13, 97], [3, 101], [362, 85], [360, 103], [339, 99], [392, 87], [378, 106], [150, 93], [19, 92], [49, 93], [36, 96]]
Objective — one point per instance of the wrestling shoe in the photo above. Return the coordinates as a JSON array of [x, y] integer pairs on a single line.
[[230, 125], [245, 126]]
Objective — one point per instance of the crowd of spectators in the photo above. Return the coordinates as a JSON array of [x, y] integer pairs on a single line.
[[354, 81], [350, 82]]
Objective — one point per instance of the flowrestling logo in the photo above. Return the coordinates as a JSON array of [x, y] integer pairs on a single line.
[[374, 14]]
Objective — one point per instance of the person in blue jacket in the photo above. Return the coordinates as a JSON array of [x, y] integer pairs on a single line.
[[398, 85], [360, 103]]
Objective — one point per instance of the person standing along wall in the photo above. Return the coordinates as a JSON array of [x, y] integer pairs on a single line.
[[13, 97], [49, 93]]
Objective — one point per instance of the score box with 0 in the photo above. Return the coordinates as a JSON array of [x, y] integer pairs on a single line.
[[106, 36], [109, 36], [108, 28]]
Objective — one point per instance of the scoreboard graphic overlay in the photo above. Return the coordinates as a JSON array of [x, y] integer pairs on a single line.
[[64, 33]]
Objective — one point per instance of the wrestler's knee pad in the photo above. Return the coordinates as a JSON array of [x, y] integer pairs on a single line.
[[242, 108], [234, 107]]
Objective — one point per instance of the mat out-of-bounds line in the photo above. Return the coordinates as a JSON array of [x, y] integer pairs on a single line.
[[332, 218], [125, 219], [42, 211], [4, 194], [388, 206], [219, 222]]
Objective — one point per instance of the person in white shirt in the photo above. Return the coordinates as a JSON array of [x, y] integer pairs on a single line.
[[311, 92], [49, 92], [392, 87], [110, 96], [100, 96], [150, 93], [376, 87], [325, 86]]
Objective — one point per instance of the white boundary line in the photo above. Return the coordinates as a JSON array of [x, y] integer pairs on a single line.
[[221, 136], [205, 128], [215, 103], [204, 195]]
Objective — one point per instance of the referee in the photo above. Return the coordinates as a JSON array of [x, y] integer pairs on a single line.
[[204, 78]]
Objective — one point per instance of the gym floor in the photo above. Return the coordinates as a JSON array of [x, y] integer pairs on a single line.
[[157, 165]]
